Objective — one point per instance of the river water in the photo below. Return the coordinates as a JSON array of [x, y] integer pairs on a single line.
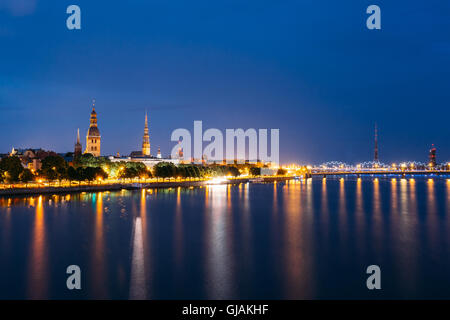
[[308, 239]]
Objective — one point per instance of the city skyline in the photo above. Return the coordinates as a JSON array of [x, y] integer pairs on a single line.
[[263, 72], [145, 147], [218, 158]]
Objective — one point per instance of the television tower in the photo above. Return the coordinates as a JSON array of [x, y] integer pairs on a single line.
[[432, 156], [375, 157]]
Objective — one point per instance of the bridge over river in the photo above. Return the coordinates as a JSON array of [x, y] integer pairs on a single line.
[[359, 173]]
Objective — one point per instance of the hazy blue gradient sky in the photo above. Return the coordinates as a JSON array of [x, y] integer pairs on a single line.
[[309, 68]]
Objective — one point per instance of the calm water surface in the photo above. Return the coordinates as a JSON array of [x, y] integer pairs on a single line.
[[295, 240]]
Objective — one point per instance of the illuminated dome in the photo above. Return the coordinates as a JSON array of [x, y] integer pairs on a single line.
[[93, 132]]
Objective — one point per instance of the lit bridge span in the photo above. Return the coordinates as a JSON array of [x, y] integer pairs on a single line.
[[359, 173]]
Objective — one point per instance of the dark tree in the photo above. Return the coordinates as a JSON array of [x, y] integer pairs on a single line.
[[233, 171], [26, 176], [54, 162], [165, 170], [255, 171], [129, 173], [72, 174], [93, 173], [54, 167], [12, 168]]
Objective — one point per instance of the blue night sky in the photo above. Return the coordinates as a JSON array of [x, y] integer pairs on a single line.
[[310, 68]]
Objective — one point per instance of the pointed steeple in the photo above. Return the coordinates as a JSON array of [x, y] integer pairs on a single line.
[[78, 148], [146, 120], [146, 138]]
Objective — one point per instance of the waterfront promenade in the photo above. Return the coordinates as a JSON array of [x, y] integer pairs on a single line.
[[16, 190], [115, 185]]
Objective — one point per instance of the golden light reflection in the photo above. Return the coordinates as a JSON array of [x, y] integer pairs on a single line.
[[359, 213], [324, 204], [432, 213], [5, 235], [342, 217], [404, 196], [394, 198], [412, 196], [229, 198], [178, 233], [431, 201], [298, 269], [98, 251], [324, 212], [448, 203], [377, 214], [207, 196], [38, 263], [275, 197]]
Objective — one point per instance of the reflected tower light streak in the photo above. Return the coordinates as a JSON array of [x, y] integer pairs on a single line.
[[178, 234], [38, 263], [432, 217], [342, 213], [98, 251], [324, 209], [378, 216], [447, 205], [297, 267], [359, 207]]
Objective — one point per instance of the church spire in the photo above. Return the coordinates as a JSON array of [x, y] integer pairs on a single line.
[[146, 138], [78, 148], [146, 120]]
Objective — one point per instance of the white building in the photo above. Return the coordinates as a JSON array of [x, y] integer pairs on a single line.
[[149, 162]]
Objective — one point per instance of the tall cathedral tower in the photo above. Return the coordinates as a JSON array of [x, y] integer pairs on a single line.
[[146, 139], [78, 148], [93, 135]]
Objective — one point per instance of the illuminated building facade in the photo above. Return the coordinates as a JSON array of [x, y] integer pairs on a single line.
[[93, 138]]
